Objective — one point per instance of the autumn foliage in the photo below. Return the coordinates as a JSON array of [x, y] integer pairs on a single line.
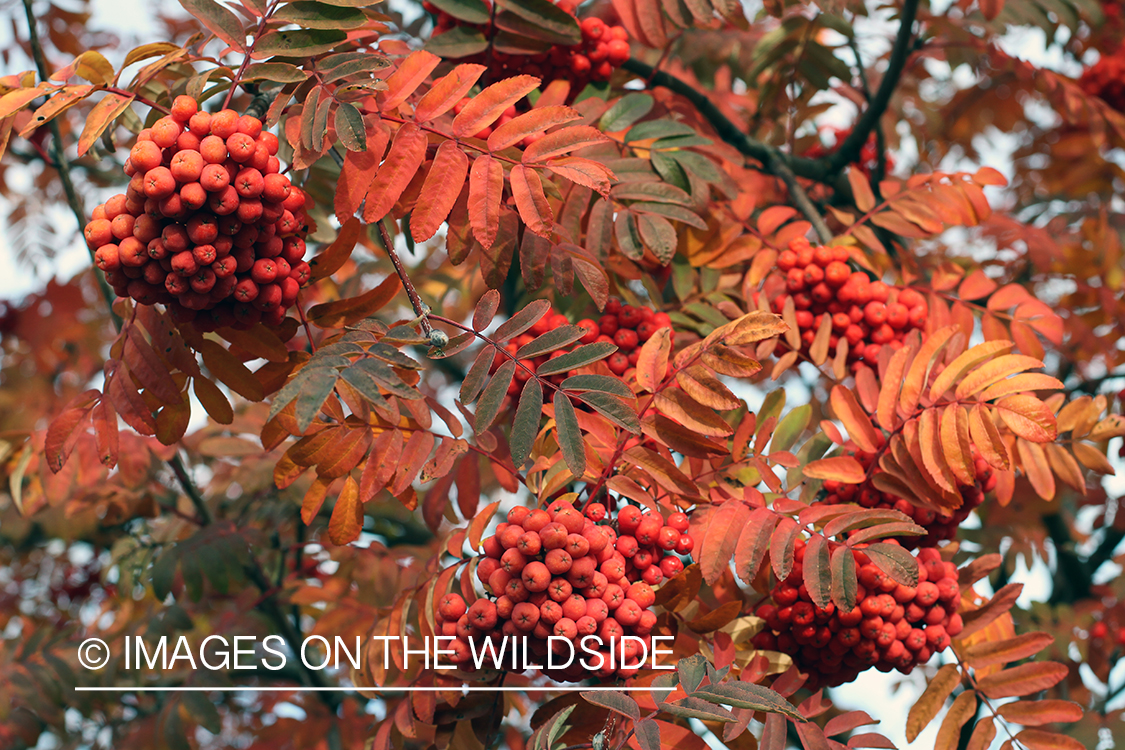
[[519, 323]]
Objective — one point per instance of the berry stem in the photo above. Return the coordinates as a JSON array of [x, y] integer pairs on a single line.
[[237, 80]]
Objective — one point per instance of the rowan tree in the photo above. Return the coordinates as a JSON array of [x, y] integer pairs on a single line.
[[526, 319]]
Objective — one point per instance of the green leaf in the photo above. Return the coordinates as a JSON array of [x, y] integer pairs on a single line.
[[220, 21], [203, 711], [469, 11], [569, 435], [691, 671], [386, 377], [895, 561], [297, 42], [164, 573], [698, 165], [669, 170], [540, 20], [613, 409], [550, 341], [525, 425], [694, 708], [580, 357], [349, 126], [748, 695], [493, 396], [313, 395], [602, 383], [790, 428], [661, 192], [278, 72], [314, 15], [614, 701], [647, 732], [657, 129], [476, 376], [522, 320], [625, 111], [345, 64], [671, 211], [458, 42]]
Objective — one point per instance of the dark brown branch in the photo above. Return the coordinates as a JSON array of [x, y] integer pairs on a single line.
[[190, 489], [421, 309], [849, 150], [62, 164], [788, 168]]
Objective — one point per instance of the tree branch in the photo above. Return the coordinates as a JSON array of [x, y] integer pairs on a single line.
[[849, 150], [788, 168]]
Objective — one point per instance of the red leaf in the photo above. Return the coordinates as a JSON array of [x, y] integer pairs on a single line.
[[817, 572], [753, 541], [534, 122], [480, 523], [408, 151], [447, 91], [719, 540], [358, 172], [562, 142], [487, 106], [486, 188], [782, 544], [532, 203], [439, 192], [409, 75], [60, 437]]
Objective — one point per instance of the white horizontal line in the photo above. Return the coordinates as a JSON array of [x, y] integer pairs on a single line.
[[419, 689]]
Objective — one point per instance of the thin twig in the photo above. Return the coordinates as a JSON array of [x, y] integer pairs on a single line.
[[421, 309], [849, 150], [190, 489], [778, 167], [880, 136], [62, 164]]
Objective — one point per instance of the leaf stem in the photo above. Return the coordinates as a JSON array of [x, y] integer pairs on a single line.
[[421, 309], [237, 80]]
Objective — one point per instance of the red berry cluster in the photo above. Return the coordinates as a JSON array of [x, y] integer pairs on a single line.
[[603, 49], [1099, 635], [1106, 79], [868, 160], [939, 528], [625, 326], [564, 573], [891, 627], [207, 226], [869, 314]]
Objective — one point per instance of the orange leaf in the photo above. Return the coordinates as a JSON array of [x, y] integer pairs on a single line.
[[1038, 713], [336, 254], [681, 407], [963, 708], [888, 394], [976, 285], [983, 734], [480, 523], [840, 468], [527, 189], [919, 373], [358, 172], [1008, 296], [986, 437], [1029, 381], [705, 388], [347, 515], [585, 172], [861, 190], [534, 122], [108, 109], [486, 188], [231, 371], [214, 401], [408, 151], [439, 192], [487, 106], [61, 437], [716, 618], [653, 361], [931, 701], [408, 76], [1033, 459], [933, 451], [1028, 417], [721, 537], [956, 443], [1039, 739], [562, 142], [854, 418], [347, 311], [995, 371], [380, 465], [986, 654], [447, 91], [1022, 680]]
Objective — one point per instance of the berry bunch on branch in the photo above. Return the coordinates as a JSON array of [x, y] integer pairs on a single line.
[[585, 578], [208, 224]]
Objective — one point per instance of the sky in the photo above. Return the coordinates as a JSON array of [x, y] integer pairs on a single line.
[[886, 696]]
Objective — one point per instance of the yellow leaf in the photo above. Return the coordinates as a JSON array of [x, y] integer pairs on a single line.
[[931, 701], [965, 362]]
